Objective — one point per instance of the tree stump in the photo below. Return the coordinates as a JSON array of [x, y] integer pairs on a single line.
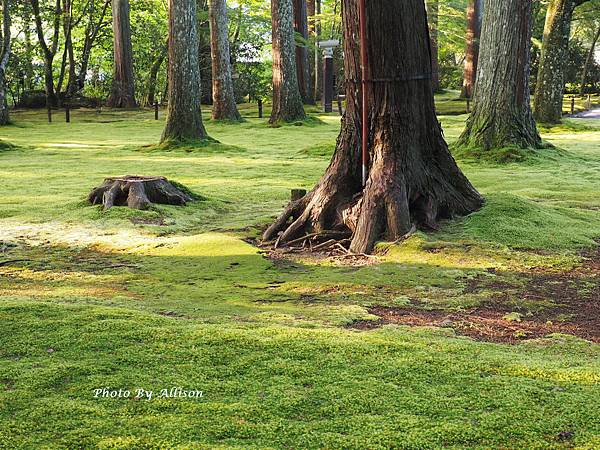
[[138, 192]]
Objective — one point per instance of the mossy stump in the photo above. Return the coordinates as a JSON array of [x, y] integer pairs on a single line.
[[138, 192]]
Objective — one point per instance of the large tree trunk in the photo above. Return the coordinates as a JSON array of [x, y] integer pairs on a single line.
[[502, 115], [550, 86], [588, 62], [413, 179], [474, 20], [4, 54], [184, 119], [123, 87], [433, 16], [302, 59], [287, 102], [224, 107]]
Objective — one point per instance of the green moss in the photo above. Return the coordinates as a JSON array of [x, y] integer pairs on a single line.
[[176, 297]]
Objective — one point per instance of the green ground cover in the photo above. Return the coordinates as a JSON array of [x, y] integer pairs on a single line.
[[180, 297]]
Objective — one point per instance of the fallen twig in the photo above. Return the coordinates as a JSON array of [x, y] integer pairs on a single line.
[[10, 261]]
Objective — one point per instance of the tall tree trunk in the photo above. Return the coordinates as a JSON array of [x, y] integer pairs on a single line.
[[152, 77], [588, 62], [123, 87], [287, 102], [502, 113], [4, 55], [48, 51], [224, 107], [312, 31], [184, 119], [302, 54], [69, 52], [474, 20], [550, 86], [433, 16], [413, 179], [91, 33]]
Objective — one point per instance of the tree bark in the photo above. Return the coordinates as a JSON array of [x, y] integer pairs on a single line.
[[501, 114], [413, 179], [474, 20], [224, 106], [302, 54], [4, 55], [48, 51], [123, 86], [184, 119], [287, 102], [91, 33], [433, 15], [588, 62]]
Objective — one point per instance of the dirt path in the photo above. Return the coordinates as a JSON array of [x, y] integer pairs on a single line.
[[591, 114]]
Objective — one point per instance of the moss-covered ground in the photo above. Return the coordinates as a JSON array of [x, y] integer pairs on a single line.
[[292, 352]]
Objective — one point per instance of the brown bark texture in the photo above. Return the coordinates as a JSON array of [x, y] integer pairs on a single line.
[[287, 102], [474, 20], [550, 86], [184, 119], [137, 192], [224, 106], [501, 115], [302, 54], [413, 180], [123, 87]]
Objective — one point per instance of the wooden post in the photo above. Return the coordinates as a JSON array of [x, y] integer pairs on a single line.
[[49, 111], [260, 108], [155, 110], [589, 101], [468, 105], [297, 194], [67, 113], [572, 105], [339, 104]]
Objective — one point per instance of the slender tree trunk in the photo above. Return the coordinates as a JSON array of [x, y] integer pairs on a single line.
[[588, 62], [48, 51], [152, 77], [474, 20], [4, 55], [123, 88], [184, 119], [413, 179], [550, 86], [433, 15], [69, 52], [224, 107], [302, 54], [91, 33], [502, 115], [29, 72], [287, 102]]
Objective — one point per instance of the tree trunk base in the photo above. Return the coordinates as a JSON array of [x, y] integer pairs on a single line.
[[138, 192]]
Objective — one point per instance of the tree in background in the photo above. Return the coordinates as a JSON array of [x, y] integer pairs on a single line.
[[287, 102], [224, 106], [184, 119], [4, 55], [48, 51], [123, 87], [474, 20], [550, 86], [502, 116], [302, 54], [433, 16], [588, 62], [413, 179]]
